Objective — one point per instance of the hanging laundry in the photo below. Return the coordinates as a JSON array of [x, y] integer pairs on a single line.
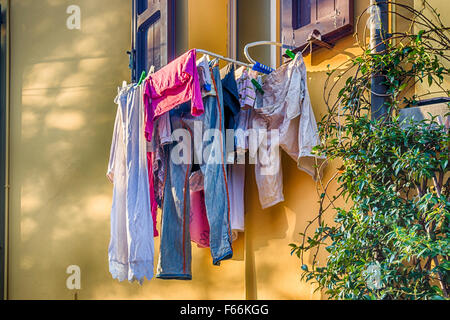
[[230, 96], [175, 249], [131, 247], [164, 90], [236, 182], [171, 86], [286, 107], [204, 74], [162, 136], [247, 98], [246, 89], [199, 227], [151, 181], [236, 170], [198, 224]]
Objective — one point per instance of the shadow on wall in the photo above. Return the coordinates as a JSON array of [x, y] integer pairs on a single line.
[[63, 86]]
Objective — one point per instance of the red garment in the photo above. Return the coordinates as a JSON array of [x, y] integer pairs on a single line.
[[153, 204], [171, 86], [198, 223]]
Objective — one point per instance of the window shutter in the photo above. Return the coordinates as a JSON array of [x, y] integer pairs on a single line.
[[153, 35], [332, 18]]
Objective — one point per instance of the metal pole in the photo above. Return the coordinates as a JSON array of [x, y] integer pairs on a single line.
[[379, 23]]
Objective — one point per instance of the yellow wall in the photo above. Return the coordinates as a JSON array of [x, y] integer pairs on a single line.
[[208, 25], [442, 6], [254, 25], [63, 86], [62, 90]]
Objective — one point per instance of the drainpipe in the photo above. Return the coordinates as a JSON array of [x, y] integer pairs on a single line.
[[379, 24]]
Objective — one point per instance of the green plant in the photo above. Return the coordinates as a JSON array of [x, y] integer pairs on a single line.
[[391, 240]]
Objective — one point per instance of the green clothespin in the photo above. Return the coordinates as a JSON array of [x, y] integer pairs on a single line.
[[257, 86], [143, 74], [290, 54]]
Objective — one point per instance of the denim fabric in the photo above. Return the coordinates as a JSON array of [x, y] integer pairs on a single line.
[[175, 249], [231, 103]]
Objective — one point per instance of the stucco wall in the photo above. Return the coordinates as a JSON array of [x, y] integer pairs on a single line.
[[442, 6], [62, 88]]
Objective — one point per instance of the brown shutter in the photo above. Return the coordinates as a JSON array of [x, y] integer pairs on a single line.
[[332, 18]]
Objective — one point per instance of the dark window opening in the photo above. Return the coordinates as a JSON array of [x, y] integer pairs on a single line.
[[331, 19], [301, 13]]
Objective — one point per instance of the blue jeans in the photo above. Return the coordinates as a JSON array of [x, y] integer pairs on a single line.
[[175, 249]]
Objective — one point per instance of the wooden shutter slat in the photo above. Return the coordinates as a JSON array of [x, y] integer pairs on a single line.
[[332, 18], [325, 8], [154, 33], [148, 14]]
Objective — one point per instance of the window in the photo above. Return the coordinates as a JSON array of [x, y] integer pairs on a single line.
[[153, 35], [333, 19]]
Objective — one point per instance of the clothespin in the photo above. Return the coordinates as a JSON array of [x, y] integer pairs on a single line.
[[257, 86], [290, 54], [262, 68], [142, 78]]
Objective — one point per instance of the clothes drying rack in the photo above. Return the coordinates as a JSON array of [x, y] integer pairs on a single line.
[[212, 54]]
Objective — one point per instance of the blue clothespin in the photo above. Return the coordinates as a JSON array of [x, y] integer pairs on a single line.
[[262, 68]]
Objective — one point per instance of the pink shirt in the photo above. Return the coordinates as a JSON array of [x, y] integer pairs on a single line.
[[172, 85]]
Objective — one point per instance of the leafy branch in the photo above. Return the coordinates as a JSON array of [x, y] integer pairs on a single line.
[[394, 175]]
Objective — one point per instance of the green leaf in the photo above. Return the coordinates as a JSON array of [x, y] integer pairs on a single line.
[[383, 226], [402, 87], [419, 36]]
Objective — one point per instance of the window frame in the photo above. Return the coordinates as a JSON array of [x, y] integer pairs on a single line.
[[162, 11]]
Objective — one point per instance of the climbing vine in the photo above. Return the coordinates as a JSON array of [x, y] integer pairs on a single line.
[[390, 238]]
